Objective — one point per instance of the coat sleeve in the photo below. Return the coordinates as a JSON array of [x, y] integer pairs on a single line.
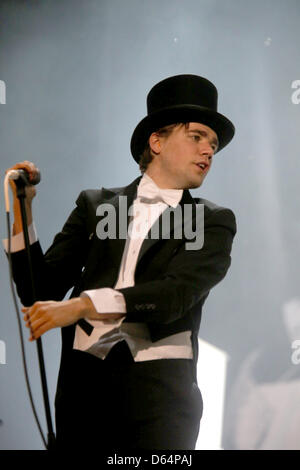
[[56, 271], [188, 278]]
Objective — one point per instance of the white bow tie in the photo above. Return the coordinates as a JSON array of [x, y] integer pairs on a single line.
[[149, 192]]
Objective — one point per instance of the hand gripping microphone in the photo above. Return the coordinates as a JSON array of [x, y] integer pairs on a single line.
[[23, 175]]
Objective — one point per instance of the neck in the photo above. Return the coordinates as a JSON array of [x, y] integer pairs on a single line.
[[160, 180]]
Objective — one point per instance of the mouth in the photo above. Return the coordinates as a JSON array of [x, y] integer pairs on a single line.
[[201, 167]]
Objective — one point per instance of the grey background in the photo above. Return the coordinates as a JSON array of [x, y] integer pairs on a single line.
[[77, 74]]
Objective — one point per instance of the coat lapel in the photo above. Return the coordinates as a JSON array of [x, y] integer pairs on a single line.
[[121, 201]]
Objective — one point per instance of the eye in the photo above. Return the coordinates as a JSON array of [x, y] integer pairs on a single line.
[[196, 137]]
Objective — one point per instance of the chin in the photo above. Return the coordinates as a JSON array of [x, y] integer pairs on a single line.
[[194, 184]]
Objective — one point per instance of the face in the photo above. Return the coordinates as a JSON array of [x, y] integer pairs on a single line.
[[183, 159]]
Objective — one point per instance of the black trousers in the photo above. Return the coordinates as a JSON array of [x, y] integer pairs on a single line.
[[117, 403]]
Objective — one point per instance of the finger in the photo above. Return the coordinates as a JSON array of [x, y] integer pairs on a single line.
[[35, 311], [36, 317], [40, 331], [29, 315], [36, 324], [26, 316], [32, 336], [30, 167], [28, 323]]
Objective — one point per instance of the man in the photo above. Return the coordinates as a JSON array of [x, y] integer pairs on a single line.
[[129, 332]]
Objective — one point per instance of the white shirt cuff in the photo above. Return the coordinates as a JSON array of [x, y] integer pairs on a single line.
[[17, 241], [106, 300]]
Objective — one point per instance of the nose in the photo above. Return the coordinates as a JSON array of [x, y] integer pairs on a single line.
[[206, 150]]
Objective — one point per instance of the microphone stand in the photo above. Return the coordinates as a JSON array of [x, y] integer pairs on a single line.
[[20, 184]]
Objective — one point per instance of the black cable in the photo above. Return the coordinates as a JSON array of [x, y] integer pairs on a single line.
[[21, 332], [21, 194]]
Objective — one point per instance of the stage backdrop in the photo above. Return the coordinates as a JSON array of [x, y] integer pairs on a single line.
[[73, 82]]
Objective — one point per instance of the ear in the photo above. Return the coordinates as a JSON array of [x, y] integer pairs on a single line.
[[154, 142]]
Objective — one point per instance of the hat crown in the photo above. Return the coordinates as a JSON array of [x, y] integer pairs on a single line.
[[177, 99], [182, 90]]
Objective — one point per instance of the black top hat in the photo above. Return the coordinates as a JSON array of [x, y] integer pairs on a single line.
[[182, 98]]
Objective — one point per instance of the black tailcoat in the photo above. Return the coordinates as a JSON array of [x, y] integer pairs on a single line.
[[171, 283]]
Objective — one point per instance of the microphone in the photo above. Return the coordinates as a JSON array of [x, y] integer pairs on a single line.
[[24, 176]]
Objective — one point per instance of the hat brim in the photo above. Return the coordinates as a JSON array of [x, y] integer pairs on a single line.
[[181, 113]]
